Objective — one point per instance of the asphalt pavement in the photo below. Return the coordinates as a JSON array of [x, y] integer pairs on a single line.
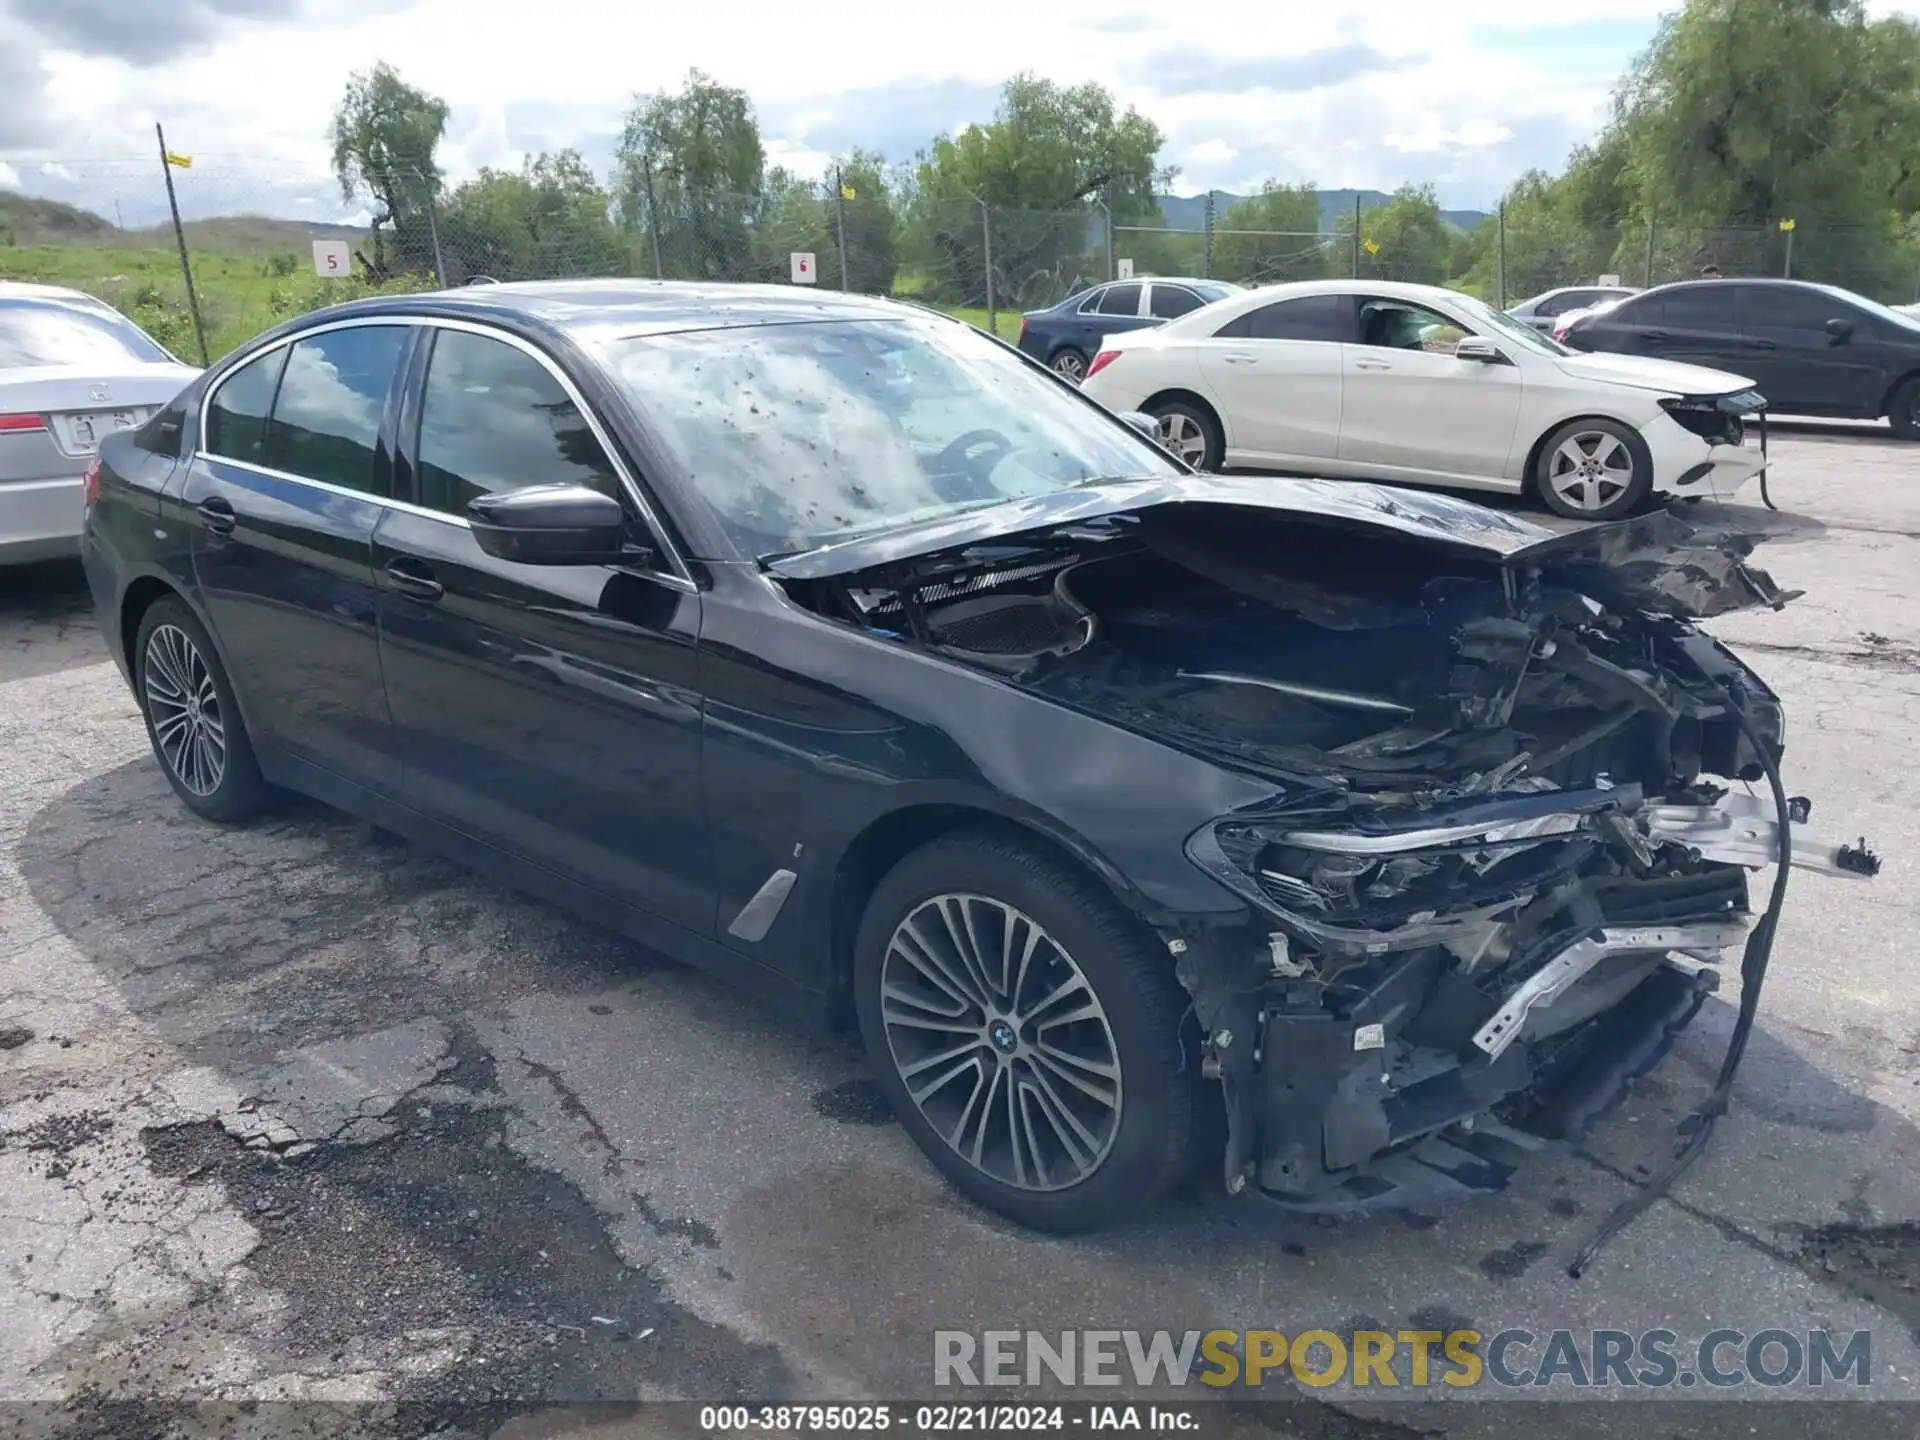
[[296, 1113]]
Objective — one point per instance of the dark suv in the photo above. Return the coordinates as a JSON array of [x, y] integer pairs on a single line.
[[1810, 349]]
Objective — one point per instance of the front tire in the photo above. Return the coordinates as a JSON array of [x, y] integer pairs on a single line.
[[1190, 432], [192, 720], [1903, 410], [1027, 1032], [1594, 470]]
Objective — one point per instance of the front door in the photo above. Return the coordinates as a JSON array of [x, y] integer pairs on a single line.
[[282, 503], [1412, 408], [551, 710]]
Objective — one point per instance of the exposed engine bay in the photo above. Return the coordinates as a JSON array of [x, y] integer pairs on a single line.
[[1510, 851]]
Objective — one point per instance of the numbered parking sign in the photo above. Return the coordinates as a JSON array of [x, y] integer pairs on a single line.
[[333, 258], [804, 272]]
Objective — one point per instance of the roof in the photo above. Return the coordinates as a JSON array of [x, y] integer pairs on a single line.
[[21, 290], [654, 307]]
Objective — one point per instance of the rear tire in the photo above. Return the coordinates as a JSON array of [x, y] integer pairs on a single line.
[[1069, 364], [972, 951], [1190, 432], [193, 723], [1594, 470], [1903, 409]]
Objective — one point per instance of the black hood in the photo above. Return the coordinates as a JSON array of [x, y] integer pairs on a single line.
[[1655, 562]]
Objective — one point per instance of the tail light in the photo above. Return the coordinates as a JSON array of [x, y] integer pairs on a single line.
[[1100, 362], [90, 486], [15, 423]]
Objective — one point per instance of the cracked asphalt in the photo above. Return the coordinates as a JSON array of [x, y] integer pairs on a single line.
[[295, 1112]]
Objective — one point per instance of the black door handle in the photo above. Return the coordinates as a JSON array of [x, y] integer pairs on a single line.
[[414, 579], [1656, 337], [1760, 344], [218, 514]]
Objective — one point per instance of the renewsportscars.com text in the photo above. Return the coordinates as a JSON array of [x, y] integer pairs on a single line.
[[1513, 1358]]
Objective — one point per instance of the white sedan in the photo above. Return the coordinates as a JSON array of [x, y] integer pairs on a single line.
[[1418, 385], [72, 369]]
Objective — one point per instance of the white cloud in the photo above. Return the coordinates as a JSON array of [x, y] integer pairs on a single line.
[[55, 170], [9, 177], [1346, 92]]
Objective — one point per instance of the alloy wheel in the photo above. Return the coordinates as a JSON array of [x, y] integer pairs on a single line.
[[1069, 366], [1591, 469], [1001, 1042], [183, 706], [1181, 434]]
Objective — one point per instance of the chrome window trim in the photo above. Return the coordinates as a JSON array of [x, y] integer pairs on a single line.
[[679, 575]]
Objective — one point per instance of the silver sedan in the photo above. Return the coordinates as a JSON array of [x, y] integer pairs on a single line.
[[72, 369]]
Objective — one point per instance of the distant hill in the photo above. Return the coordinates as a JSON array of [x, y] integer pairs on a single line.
[[27, 221], [1189, 212], [248, 232]]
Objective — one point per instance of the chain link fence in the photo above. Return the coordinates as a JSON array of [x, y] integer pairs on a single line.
[[247, 238]]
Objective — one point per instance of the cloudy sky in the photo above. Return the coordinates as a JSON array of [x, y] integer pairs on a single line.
[[1462, 93]]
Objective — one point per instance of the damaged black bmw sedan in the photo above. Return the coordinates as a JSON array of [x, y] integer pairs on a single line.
[[1349, 842]]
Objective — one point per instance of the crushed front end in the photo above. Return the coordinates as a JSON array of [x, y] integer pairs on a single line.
[[1459, 963]]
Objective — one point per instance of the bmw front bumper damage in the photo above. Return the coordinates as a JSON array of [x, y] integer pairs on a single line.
[[1376, 1054]]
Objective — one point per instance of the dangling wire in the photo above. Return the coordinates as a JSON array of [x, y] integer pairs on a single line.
[[1697, 1128]]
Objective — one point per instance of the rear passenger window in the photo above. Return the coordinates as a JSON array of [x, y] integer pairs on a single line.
[[1700, 307], [237, 414], [1171, 301], [494, 418], [326, 423], [1121, 300], [1311, 317]]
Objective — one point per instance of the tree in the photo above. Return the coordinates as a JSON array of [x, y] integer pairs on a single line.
[[691, 170], [1410, 240], [550, 219], [867, 216], [384, 134], [1271, 237], [1743, 113], [1039, 167], [1547, 243]]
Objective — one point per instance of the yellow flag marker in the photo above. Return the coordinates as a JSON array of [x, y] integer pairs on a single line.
[[1787, 225], [1371, 247], [846, 192], [179, 161]]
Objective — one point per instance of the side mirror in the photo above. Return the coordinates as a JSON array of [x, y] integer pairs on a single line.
[[1840, 329], [551, 525], [1479, 349], [1143, 422]]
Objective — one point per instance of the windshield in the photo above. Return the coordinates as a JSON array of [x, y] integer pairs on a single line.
[[1505, 327], [798, 435], [71, 332], [1875, 308]]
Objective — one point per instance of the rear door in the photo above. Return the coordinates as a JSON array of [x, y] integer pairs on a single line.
[[1697, 324], [283, 497], [1167, 301], [552, 710], [1275, 375], [1110, 310], [1412, 407]]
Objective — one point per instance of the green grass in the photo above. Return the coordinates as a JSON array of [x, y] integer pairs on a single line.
[[243, 287]]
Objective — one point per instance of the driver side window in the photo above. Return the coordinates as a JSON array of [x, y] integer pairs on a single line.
[[1403, 325], [494, 418]]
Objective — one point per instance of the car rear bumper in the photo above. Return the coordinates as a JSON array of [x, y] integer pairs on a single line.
[[40, 519]]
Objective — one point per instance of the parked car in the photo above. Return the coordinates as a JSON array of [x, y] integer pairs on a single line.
[[1542, 310], [894, 681], [1564, 323], [72, 369], [1412, 383], [1066, 335], [1811, 349]]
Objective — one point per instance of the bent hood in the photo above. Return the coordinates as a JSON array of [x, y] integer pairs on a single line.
[[1655, 562], [1668, 376]]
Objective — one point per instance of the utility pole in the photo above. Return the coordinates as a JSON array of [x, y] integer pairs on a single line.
[[840, 222], [986, 245], [180, 238]]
